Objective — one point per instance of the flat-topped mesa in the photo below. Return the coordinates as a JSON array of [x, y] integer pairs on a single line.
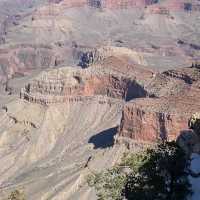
[[57, 86]]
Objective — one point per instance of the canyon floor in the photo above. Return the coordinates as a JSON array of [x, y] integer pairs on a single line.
[[80, 84]]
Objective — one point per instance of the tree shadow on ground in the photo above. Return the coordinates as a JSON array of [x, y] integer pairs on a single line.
[[103, 139]]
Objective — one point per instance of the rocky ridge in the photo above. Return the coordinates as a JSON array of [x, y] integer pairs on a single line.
[[66, 84], [158, 104], [129, 90], [165, 117]]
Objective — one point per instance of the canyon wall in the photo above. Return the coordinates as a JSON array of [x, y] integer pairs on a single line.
[[111, 4], [165, 117], [21, 59], [125, 4], [117, 3], [64, 84]]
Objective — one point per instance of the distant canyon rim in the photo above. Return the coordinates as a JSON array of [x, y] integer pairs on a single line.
[[83, 80]]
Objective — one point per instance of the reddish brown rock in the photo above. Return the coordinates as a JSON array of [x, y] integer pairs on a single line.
[[159, 10], [21, 59], [151, 119], [58, 85]]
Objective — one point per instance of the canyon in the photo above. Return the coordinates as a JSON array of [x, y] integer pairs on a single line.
[[84, 81]]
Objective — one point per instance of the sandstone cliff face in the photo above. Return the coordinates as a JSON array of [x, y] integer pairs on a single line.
[[151, 119], [68, 83], [67, 117], [141, 124]]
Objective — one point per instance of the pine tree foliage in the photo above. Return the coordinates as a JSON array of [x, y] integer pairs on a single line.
[[155, 174]]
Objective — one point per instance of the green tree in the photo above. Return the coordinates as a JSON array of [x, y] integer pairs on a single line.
[[162, 175], [108, 184]]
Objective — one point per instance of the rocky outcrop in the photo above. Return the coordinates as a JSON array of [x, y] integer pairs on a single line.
[[189, 75], [85, 55], [125, 4], [167, 5], [122, 4], [159, 10], [104, 3], [145, 121], [90, 55], [20, 59], [151, 119], [179, 75], [69, 84]]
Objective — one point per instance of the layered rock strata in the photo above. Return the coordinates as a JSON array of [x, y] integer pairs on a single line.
[[148, 120], [20, 59], [88, 55], [70, 84]]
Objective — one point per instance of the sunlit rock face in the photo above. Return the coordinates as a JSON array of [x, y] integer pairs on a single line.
[[79, 77], [66, 84], [165, 117]]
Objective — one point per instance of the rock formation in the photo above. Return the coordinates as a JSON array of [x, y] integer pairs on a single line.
[[122, 4], [158, 107], [92, 72], [151, 119], [23, 58], [66, 84], [89, 55]]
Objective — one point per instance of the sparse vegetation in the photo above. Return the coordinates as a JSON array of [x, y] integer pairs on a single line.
[[155, 174], [109, 184], [16, 195]]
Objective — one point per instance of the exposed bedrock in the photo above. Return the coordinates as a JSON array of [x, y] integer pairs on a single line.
[[122, 4], [89, 55], [144, 121], [85, 55], [20, 59], [151, 119], [141, 124], [47, 147], [66, 84], [125, 4], [182, 5]]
